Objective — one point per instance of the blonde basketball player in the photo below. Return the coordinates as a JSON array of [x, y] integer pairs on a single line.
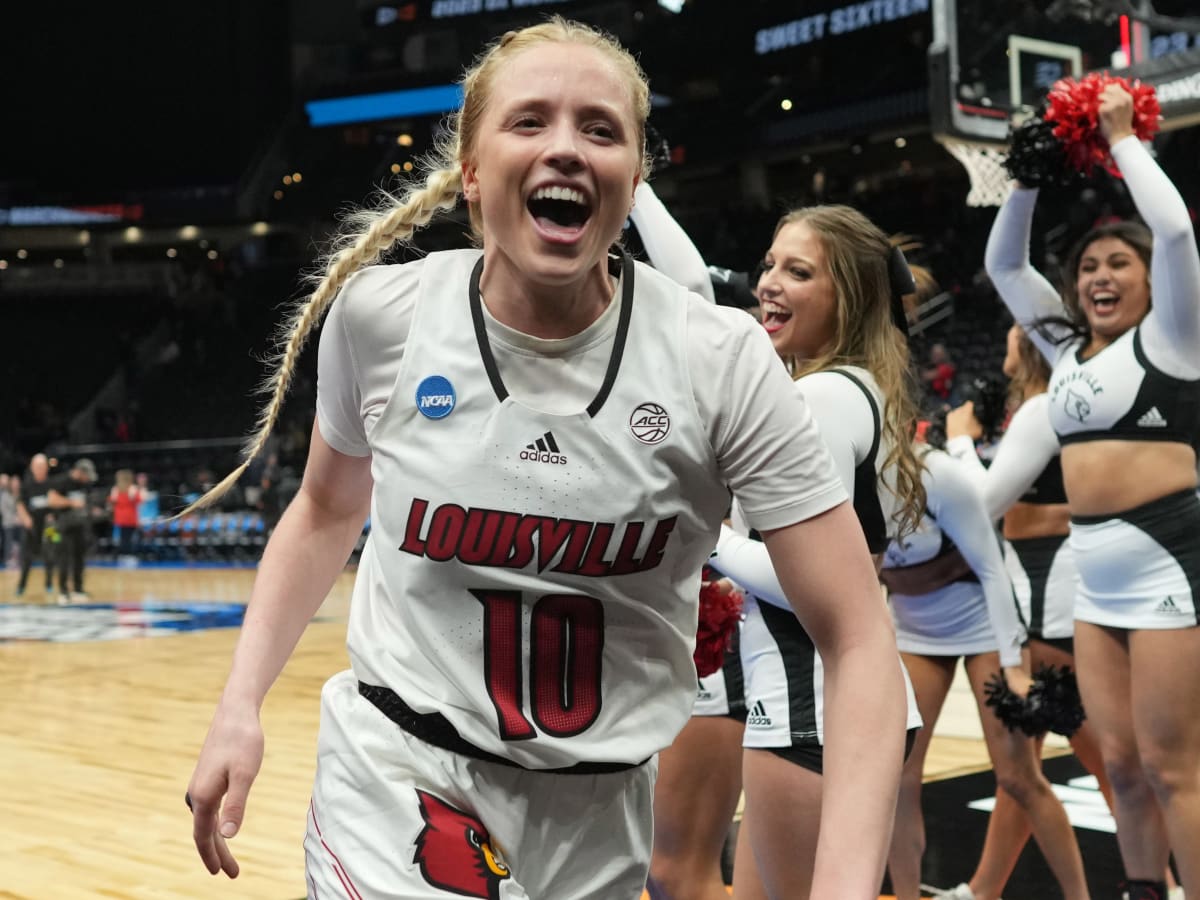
[[544, 435]]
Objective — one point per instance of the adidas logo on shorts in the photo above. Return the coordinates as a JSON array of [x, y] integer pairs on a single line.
[[544, 450], [1168, 606], [1152, 418], [758, 716]]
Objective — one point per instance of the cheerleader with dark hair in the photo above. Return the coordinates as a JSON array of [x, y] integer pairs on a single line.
[[1124, 400]]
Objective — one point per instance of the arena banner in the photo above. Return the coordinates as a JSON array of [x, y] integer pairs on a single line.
[[1176, 78], [841, 20]]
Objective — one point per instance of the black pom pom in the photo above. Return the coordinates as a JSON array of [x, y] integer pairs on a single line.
[[1010, 708], [1052, 704], [1037, 159], [1060, 707]]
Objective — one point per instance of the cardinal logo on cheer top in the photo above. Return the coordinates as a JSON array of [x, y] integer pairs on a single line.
[[435, 397]]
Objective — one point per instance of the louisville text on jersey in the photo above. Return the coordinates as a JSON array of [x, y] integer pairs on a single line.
[[491, 537]]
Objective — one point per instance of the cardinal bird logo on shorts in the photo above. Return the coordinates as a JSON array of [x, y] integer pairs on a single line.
[[455, 852]]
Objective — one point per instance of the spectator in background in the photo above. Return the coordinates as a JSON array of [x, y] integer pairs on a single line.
[[34, 515], [125, 498], [938, 376], [148, 505], [68, 497], [10, 531]]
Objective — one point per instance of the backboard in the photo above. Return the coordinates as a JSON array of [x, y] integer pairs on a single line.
[[992, 60]]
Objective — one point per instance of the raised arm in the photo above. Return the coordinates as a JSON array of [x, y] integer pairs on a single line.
[[959, 512], [1024, 290], [1171, 331], [829, 576], [671, 251], [1026, 449]]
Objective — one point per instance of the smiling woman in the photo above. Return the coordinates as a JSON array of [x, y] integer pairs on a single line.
[[831, 294], [1124, 400], [551, 194], [545, 434]]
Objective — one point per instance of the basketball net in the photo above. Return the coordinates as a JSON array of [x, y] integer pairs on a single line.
[[990, 181]]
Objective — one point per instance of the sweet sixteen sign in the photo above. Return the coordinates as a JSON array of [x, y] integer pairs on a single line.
[[845, 19]]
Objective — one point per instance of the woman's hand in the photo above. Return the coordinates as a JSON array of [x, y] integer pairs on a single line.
[[1116, 113], [962, 421], [1018, 680], [229, 761], [721, 585]]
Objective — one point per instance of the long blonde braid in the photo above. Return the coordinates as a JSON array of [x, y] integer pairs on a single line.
[[370, 233]]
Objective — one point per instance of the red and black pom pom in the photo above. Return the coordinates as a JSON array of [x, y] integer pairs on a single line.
[[720, 610], [1073, 106]]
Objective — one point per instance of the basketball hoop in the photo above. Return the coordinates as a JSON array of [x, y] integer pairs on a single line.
[[990, 181]]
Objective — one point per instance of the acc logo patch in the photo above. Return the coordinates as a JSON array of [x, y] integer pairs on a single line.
[[435, 397], [650, 423], [455, 851]]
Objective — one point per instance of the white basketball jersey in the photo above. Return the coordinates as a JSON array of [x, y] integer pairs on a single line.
[[534, 577]]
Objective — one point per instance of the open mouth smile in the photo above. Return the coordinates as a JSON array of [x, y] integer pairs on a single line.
[[1105, 302], [560, 213], [774, 316]]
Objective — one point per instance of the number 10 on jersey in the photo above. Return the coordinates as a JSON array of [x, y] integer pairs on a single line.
[[566, 647]]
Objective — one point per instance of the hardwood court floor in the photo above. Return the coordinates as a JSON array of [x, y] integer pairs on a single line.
[[98, 739]]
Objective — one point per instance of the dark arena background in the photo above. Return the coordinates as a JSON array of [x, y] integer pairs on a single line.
[[168, 171]]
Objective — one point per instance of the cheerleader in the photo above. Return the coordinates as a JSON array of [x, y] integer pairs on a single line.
[[1023, 485], [831, 300], [951, 597], [1124, 400]]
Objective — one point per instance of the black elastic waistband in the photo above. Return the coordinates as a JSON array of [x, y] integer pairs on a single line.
[[435, 729], [1170, 505], [1046, 544]]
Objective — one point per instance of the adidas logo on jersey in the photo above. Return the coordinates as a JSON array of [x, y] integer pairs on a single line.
[[1152, 418], [758, 716], [1168, 606], [544, 450]]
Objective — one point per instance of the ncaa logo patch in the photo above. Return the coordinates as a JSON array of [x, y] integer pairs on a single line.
[[435, 397], [650, 423]]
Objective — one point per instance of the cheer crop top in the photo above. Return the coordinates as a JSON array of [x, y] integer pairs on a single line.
[[1117, 394]]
